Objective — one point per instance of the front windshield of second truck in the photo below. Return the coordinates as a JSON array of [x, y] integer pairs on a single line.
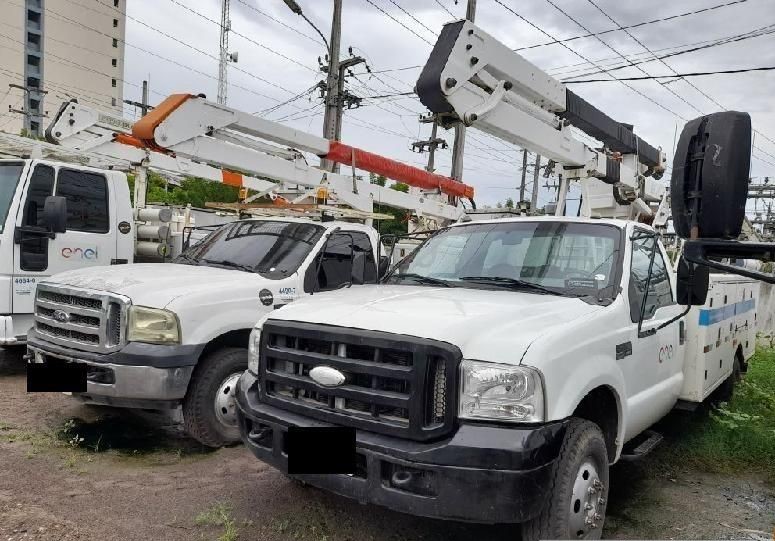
[[273, 249], [561, 258], [9, 178]]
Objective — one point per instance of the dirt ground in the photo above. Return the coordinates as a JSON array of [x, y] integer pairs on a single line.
[[68, 471]]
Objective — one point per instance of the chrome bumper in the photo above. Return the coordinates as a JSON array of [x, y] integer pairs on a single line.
[[131, 386]]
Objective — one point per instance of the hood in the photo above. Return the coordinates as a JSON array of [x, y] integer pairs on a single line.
[[496, 326], [157, 284]]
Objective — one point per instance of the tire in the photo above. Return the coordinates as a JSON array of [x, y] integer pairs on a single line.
[[579, 478], [215, 376], [727, 389]]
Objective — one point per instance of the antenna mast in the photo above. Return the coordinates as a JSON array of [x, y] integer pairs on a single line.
[[224, 57]]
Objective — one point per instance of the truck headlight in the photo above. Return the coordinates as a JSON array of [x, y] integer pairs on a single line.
[[500, 392], [253, 346], [152, 326]]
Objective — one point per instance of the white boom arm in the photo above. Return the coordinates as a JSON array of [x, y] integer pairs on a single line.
[[472, 77], [188, 135]]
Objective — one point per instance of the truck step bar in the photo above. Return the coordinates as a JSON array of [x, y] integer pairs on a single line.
[[643, 445]]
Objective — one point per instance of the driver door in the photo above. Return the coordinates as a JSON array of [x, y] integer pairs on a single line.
[[90, 240]]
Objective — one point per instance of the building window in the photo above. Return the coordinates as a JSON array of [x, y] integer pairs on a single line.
[[115, 3], [34, 105], [113, 83], [115, 23], [115, 42], [114, 62], [35, 127], [33, 16], [33, 41], [113, 101], [33, 60], [33, 82]]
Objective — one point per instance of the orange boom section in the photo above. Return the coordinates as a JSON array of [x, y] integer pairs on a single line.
[[414, 176]]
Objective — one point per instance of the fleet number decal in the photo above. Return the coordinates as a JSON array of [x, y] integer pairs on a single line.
[[23, 285], [665, 353]]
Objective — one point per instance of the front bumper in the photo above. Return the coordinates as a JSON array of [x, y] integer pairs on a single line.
[[118, 383], [483, 473]]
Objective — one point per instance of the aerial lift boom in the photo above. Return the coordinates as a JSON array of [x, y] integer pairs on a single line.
[[473, 78]]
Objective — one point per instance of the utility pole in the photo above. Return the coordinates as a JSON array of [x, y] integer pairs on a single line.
[[524, 175], [333, 105], [458, 147], [534, 194], [344, 98], [26, 111], [142, 105], [431, 144]]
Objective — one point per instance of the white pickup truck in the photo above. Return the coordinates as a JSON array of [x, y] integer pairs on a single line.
[[158, 336], [498, 372]]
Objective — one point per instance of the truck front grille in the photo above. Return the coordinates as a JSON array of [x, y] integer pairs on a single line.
[[396, 385], [80, 318]]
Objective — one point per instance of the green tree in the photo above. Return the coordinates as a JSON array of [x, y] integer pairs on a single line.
[[509, 204], [400, 187], [381, 180]]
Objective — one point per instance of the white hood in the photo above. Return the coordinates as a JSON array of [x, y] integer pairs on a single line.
[[497, 326], [157, 284]]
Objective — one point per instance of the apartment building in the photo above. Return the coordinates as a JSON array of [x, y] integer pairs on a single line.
[[55, 50]]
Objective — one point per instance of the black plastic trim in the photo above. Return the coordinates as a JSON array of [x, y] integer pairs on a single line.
[[428, 84]]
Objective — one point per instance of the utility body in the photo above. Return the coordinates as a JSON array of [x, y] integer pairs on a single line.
[[504, 365]]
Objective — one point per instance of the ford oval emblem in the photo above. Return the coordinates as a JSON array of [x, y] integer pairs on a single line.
[[327, 376], [61, 316]]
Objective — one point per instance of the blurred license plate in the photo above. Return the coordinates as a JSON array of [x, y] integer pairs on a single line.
[[53, 376], [319, 450]]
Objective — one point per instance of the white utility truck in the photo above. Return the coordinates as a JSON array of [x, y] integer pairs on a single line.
[[504, 364], [161, 336]]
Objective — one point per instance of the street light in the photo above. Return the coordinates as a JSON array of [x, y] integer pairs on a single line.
[[294, 7]]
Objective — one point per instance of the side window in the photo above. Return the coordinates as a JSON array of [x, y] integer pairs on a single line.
[[33, 250], [41, 186], [87, 200], [364, 268], [659, 292], [337, 265]]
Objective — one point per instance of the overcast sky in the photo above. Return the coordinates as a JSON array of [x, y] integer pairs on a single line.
[[278, 59]]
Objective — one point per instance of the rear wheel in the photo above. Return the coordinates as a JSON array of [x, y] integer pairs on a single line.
[[579, 488], [727, 389], [210, 409]]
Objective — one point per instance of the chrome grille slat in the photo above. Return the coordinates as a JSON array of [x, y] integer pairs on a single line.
[[91, 320]]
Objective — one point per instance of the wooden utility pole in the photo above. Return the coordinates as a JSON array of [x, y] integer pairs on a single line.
[[534, 194], [524, 175], [333, 104]]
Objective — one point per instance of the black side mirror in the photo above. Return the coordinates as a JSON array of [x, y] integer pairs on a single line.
[[384, 266], [692, 283], [55, 214]]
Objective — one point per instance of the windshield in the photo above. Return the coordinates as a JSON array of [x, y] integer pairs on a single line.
[[9, 178], [564, 258], [272, 249]]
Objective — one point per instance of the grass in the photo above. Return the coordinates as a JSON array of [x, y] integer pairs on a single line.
[[219, 515], [738, 436]]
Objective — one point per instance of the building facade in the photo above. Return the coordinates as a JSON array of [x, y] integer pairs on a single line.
[[54, 50]]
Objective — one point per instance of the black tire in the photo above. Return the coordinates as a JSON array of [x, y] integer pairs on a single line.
[[583, 445], [199, 406], [726, 390]]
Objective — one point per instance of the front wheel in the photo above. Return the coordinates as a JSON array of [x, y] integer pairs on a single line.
[[210, 409], [578, 488]]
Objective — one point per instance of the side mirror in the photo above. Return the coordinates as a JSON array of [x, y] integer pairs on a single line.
[[384, 266], [692, 283], [55, 214]]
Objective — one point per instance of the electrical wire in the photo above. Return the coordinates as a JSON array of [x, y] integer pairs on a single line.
[[676, 75], [278, 21], [393, 19], [415, 19], [636, 25]]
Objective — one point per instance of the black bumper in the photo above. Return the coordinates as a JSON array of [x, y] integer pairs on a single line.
[[483, 473]]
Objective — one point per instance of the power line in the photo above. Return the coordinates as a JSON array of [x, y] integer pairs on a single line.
[[415, 19], [394, 19], [445, 9], [278, 21], [587, 59], [676, 75], [636, 25]]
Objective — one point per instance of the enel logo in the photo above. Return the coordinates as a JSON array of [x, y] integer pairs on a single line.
[[80, 253]]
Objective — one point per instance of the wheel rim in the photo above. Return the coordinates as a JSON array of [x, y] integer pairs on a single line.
[[225, 402], [587, 502]]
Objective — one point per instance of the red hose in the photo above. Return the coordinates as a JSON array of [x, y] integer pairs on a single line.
[[395, 170]]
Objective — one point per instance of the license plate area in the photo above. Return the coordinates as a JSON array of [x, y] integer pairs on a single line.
[[55, 376], [320, 450]]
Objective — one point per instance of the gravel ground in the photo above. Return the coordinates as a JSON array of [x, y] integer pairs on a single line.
[[69, 471]]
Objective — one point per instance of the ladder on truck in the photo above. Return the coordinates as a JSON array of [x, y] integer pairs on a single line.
[[186, 135]]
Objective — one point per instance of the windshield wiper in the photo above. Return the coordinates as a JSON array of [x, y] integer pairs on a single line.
[[186, 258], [229, 264], [511, 283], [423, 279]]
